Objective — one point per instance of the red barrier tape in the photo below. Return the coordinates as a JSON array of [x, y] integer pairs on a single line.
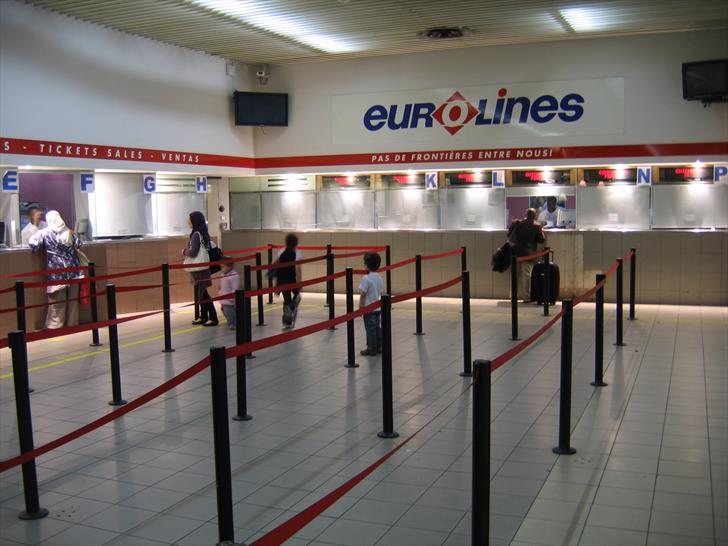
[[387, 267], [533, 256], [208, 264], [443, 254], [123, 410], [426, 291], [350, 255], [242, 250], [6, 290], [98, 278], [336, 247], [498, 361], [293, 286], [42, 272], [288, 264]]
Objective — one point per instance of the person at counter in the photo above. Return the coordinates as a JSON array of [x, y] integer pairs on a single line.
[[549, 213], [199, 240], [525, 236], [35, 224], [60, 245]]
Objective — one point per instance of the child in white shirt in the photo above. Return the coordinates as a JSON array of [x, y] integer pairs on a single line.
[[229, 283], [370, 290]]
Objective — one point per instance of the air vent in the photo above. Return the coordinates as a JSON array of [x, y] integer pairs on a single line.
[[445, 33]]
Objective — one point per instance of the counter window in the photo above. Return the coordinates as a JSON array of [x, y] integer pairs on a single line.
[[346, 210], [120, 208], [618, 207], [472, 208], [407, 209], [294, 210], [690, 206], [245, 211]]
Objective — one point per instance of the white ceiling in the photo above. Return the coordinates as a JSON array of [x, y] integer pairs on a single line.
[[363, 28]]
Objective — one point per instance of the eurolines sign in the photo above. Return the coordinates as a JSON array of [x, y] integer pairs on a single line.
[[517, 112]]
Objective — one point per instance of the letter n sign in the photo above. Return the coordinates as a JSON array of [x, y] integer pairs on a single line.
[[201, 184], [644, 176], [10, 181], [87, 182], [149, 181]]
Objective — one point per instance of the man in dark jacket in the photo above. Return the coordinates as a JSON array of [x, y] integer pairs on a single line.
[[525, 236]]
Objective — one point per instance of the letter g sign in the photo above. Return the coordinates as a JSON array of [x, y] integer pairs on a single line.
[[149, 183]]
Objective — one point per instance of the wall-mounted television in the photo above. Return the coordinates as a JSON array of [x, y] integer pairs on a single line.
[[706, 81], [269, 109]]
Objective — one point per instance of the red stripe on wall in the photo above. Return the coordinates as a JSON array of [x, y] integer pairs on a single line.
[[146, 155]]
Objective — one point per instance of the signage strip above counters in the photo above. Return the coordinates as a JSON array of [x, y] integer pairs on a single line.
[[97, 152]]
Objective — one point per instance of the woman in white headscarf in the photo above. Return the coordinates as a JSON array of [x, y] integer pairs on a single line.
[[60, 245]]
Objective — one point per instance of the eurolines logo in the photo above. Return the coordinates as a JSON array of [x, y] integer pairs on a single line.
[[457, 112]]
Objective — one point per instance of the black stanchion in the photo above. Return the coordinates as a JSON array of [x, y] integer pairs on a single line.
[[247, 307], [387, 398], [464, 259], [632, 281], [221, 435], [418, 299], [546, 282], [240, 372], [167, 315], [467, 342], [259, 285], [20, 305], [114, 348], [329, 271], [620, 303], [350, 350], [388, 262], [599, 337], [564, 447], [25, 426], [95, 341], [514, 299], [270, 279], [197, 301], [480, 517]]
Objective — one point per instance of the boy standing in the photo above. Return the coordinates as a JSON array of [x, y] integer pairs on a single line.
[[229, 283], [370, 290]]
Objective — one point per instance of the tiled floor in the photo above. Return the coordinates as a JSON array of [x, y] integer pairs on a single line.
[[651, 466]]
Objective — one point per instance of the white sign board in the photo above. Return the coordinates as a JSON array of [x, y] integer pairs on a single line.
[[481, 114]]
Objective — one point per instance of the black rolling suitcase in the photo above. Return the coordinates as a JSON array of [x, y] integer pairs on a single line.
[[539, 270]]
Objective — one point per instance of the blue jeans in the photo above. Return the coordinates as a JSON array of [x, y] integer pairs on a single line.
[[373, 327], [229, 312]]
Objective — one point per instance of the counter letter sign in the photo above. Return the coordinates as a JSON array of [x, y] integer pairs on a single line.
[[149, 181], [10, 181], [201, 184], [644, 176], [499, 179], [87, 182], [720, 173], [431, 181]]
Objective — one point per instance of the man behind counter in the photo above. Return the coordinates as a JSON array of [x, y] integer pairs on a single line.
[[548, 215], [35, 224], [525, 236]]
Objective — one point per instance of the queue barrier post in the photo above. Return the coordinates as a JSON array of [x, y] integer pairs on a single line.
[[241, 381], [387, 398], [464, 259], [270, 279], [619, 342], [20, 305], [114, 348], [167, 315], [480, 517], [467, 341], [387, 263], [330, 283], [247, 307], [259, 285], [514, 298], [197, 301], [19, 353], [564, 447], [350, 349], [418, 299], [599, 336], [221, 435], [632, 281], [546, 282], [95, 341]]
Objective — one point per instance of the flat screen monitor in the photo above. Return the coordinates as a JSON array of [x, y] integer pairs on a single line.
[[269, 109], [706, 81]]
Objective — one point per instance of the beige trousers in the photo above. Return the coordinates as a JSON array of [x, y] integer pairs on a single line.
[[61, 312], [524, 280]]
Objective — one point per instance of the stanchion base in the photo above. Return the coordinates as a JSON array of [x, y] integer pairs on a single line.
[[355, 365], [564, 450], [245, 417], [515, 338], [167, 350], [250, 356], [619, 344], [95, 344], [418, 334], [598, 384], [230, 543], [117, 402], [466, 374], [41, 513], [388, 434], [261, 324], [332, 328]]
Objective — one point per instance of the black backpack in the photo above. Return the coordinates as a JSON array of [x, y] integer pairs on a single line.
[[502, 258]]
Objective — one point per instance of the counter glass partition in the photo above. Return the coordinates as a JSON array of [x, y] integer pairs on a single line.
[[472, 208], [348, 209], [172, 210], [690, 206], [245, 211], [119, 207], [294, 210], [407, 209], [519, 199], [614, 207]]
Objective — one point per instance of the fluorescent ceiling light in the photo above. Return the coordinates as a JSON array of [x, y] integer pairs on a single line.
[[584, 19], [258, 14]]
